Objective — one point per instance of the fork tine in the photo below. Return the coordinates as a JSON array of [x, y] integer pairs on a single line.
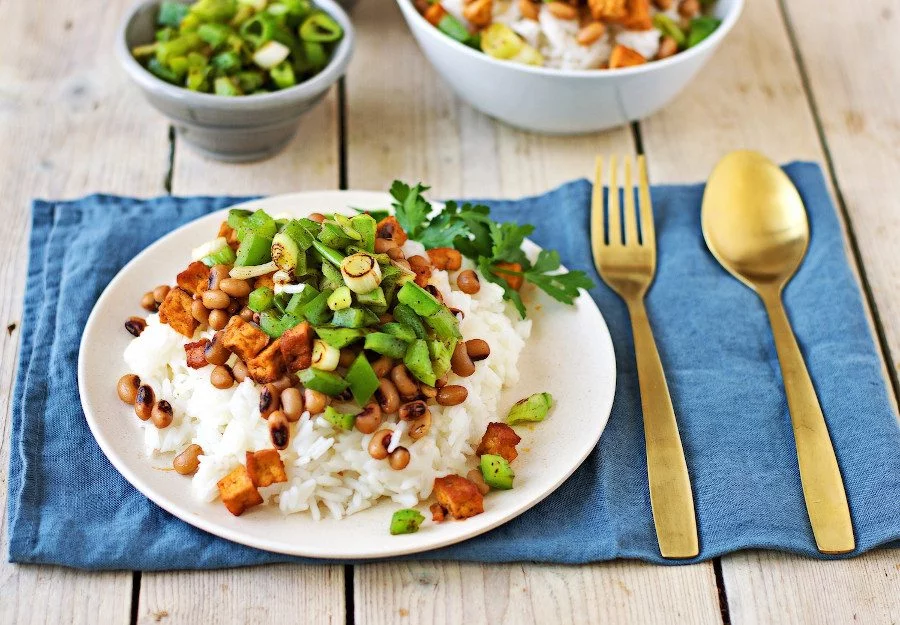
[[614, 213], [648, 232], [598, 225], [631, 235]]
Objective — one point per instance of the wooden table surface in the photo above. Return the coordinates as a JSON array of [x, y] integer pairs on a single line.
[[805, 79]]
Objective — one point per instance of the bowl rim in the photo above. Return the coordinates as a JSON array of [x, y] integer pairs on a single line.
[[728, 22], [307, 89]]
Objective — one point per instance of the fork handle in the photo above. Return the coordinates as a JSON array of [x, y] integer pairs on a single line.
[[670, 486], [820, 476]]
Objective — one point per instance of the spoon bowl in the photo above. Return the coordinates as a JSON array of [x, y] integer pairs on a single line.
[[755, 224], [754, 221]]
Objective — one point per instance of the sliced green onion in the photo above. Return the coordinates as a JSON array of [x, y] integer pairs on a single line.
[[171, 13], [271, 54], [324, 356], [361, 272], [321, 28], [214, 34], [283, 75], [252, 271]]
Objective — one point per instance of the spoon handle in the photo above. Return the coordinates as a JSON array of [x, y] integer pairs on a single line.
[[823, 488], [671, 498]]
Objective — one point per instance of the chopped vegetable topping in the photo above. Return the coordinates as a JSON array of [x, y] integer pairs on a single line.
[[496, 472], [406, 521], [239, 47], [530, 409]]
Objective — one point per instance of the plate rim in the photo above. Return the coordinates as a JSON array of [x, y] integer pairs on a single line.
[[234, 534]]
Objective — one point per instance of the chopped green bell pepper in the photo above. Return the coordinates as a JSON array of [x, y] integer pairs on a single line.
[[255, 249], [316, 310], [405, 315], [421, 301], [297, 301], [406, 521], [362, 380], [400, 330], [531, 409], [386, 345], [445, 324], [365, 226], [323, 381], [496, 472], [354, 318], [223, 256], [341, 420], [261, 299], [340, 337], [418, 361]]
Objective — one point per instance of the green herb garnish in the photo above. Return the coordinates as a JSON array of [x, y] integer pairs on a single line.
[[470, 230]]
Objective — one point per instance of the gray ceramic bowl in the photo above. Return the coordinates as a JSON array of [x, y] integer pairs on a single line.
[[233, 129]]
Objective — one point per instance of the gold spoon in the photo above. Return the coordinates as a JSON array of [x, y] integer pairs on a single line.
[[755, 224]]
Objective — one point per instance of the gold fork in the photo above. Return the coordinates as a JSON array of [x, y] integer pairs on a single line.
[[628, 266]]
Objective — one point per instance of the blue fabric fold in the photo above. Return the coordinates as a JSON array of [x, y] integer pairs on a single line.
[[68, 506]]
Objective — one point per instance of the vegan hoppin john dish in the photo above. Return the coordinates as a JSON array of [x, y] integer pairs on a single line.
[[322, 364], [574, 34]]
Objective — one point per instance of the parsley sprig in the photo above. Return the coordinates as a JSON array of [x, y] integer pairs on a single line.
[[496, 248]]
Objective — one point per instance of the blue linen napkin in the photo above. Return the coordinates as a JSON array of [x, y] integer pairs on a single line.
[[67, 505]]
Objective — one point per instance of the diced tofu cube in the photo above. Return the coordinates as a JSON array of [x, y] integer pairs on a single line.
[[269, 365], [194, 278], [267, 280], [265, 467], [500, 440], [176, 311], [297, 346], [243, 338], [445, 258], [238, 492], [514, 281], [196, 353], [458, 496], [622, 56]]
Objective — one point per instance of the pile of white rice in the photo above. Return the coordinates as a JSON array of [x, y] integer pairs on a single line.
[[556, 39], [329, 470]]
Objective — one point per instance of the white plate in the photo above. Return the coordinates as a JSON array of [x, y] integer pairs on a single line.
[[570, 355]]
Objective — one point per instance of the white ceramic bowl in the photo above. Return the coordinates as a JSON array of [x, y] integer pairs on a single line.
[[563, 101], [246, 128]]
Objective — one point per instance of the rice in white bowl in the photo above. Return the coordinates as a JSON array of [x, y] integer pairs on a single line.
[[329, 471]]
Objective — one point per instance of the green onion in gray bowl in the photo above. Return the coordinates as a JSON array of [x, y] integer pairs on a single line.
[[246, 95]]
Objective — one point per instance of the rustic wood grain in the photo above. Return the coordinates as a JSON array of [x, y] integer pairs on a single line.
[[314, 594], [781, 589], [858, 104], [452, 592], [273, 594], [405, 123], [762, 105], [70, 124]]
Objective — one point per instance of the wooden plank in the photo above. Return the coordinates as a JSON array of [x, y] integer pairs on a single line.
[[407, 124], [70, 124], [735, 103], [453, 592], [766, 587], [272, 593], [848, 53]]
